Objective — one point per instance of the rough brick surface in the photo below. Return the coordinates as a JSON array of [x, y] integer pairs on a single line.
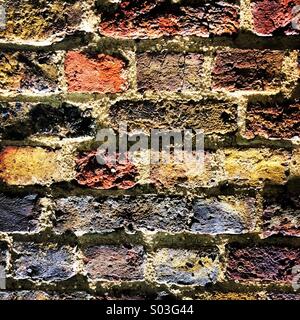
[[188, 174], [273, 120], [282, 214], [87, 214], [271, 264], [36, 72], [114, 263], [39, 20], [152, 19], [164, 115], [42, 296], [233, 216], [224, 226], [3, 254], [22, 120], [28, 166], [19, 213], [254, 166], [41, 262], [274, 16], [247, 70], [94, 73], [110, 175], [171, 71], [187, 267]]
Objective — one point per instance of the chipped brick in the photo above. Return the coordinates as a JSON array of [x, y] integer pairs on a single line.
[[90, 215], [90, 173], [273, 17], [224, 216], [24, 71], [40, 20], [156, 18], [187, 267], [28, 166], [21, 120], [281, 215], [254, 166], [148, 114]]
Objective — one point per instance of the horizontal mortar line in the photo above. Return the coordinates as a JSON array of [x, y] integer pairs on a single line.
[[150, 288], [189, 240], [83, 40], [81, 97], [98, 285]]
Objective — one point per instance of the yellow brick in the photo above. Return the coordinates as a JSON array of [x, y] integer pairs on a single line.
[[295, 164], [255, 166], [28, 166]]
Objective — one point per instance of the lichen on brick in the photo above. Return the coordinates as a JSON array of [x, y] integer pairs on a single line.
[[35, 72], [29, 20], [187, 267]]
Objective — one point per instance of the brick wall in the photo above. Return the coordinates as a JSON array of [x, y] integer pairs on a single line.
[[71, 228]]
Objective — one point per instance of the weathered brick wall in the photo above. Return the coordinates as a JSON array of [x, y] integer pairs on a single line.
[[74, 229]]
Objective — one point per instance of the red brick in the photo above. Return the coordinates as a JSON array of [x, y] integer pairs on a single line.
[[95, 73], [247, 69], [156, 18], [104, 176], [270, 263], [281, 213], [273, 119], [273, 16], [114, 263]]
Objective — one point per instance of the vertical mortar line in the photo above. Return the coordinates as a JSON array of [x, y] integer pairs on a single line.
[[148, 239], [221, 245], [209, 57], [79, 265], [246, 20], [47, 213], [133, 69], [242, 102], [9, 264], [91, 20], [62, 81], [259, 213], [290, 72]]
